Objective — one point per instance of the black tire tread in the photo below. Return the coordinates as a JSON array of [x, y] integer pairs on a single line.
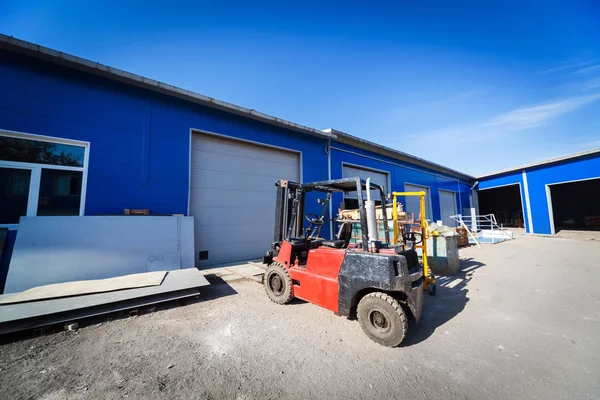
[[289, 293], [395, 306]]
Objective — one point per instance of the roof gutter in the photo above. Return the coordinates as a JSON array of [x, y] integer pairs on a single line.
[[20, 46]]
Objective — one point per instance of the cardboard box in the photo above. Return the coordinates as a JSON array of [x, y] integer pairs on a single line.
[[355, 214]]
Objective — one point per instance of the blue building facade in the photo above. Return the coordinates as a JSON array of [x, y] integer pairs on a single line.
[[402, 173], [139, 140], [543, 185], [101, 140]]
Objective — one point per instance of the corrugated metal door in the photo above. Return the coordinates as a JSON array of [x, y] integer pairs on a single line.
[[447, 207], [412, 203], [232, 196], [378, 178]]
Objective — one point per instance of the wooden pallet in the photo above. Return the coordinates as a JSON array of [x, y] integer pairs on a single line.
[[133, 211]]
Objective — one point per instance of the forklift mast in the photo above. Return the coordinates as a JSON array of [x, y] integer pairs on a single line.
[[290, 206]]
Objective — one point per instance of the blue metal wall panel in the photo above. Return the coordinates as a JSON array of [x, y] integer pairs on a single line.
[[502, 180], [400, 173], [139, 151]]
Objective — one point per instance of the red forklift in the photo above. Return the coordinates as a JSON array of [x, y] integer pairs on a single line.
[[369, 278]]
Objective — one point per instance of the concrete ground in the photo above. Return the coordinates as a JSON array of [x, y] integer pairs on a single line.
[[562, 234], [581, 235], [520, 321]]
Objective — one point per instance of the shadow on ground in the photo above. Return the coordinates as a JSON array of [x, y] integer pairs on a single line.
[[450, 300], [217, 288]]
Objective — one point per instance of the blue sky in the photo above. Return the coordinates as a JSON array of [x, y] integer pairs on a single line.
[[477, 85]]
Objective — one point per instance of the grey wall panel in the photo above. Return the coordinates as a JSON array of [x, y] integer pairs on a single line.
[[413, 203], [62, 249], [447, 207], [187, 242]]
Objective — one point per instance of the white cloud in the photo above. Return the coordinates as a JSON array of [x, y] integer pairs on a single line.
[[586, 145], [534, 116], [588, 70], [513, 121], [461, 96], [591, 84], [568, 65], [579, 75]]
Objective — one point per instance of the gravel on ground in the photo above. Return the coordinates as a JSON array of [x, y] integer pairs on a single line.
[[521, 320]]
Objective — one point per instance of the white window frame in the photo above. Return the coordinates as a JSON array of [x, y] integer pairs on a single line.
[[36, 171]]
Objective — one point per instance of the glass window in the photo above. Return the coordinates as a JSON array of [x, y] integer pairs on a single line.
[[39, 152], [60, 192], [14, 190]]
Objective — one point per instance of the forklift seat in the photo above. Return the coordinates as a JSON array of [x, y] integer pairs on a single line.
[[343, 237], [336, 244]]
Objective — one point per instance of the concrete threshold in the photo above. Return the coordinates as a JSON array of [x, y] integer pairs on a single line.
[[250, 270]]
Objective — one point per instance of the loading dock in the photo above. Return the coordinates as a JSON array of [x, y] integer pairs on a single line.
[[504, 202], [574, 205]]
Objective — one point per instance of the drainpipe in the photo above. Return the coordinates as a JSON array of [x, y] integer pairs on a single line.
[[474, 207], [328, 150]]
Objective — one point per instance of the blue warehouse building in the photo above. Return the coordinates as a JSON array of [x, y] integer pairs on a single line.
[[82, 138], [562, 193]]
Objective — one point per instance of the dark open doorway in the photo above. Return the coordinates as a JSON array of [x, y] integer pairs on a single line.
[[576, 205], [505, 203]]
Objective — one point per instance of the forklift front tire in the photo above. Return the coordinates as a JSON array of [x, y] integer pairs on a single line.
[[382, 319], [278, 284]]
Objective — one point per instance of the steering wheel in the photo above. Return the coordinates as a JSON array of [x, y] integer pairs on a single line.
[[314, 219], [411, 236]]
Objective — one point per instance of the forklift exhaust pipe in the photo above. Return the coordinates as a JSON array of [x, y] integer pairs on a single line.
[[371, 217]]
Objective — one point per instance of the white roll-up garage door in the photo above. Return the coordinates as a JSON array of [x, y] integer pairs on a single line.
[[378, 178], [232, 196], [447, 206]]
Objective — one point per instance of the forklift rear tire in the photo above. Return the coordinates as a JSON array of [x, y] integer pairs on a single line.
[[278, 284], [382, 319]]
